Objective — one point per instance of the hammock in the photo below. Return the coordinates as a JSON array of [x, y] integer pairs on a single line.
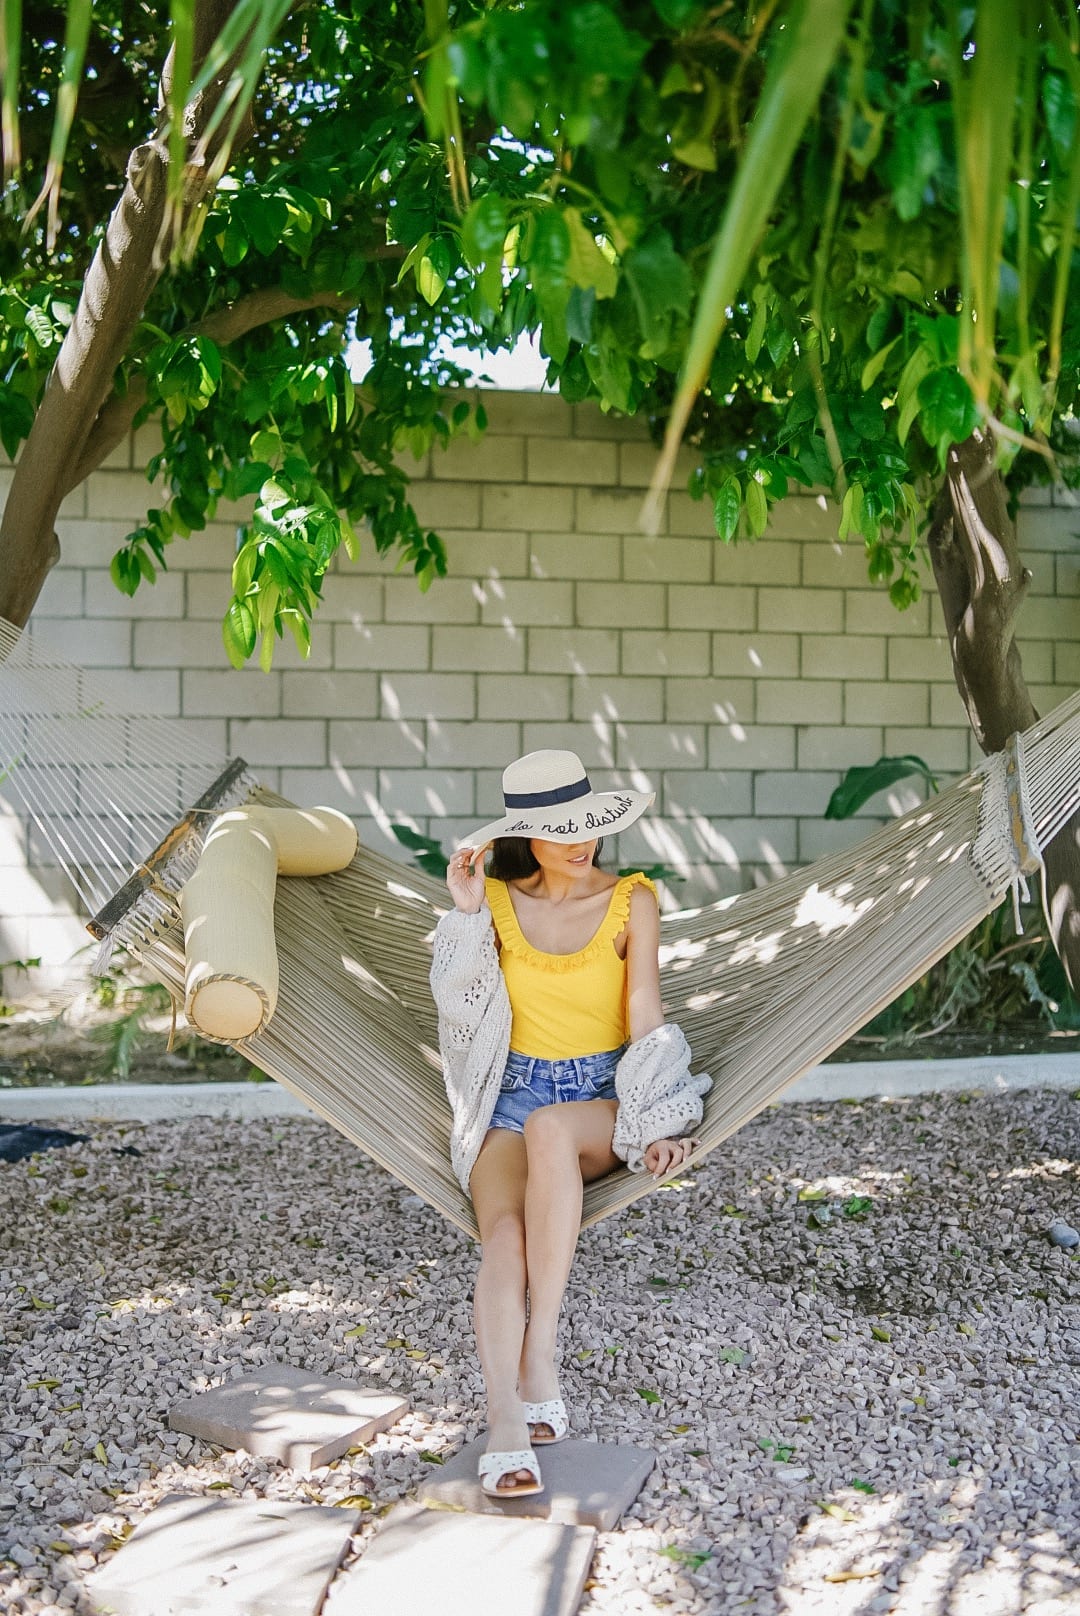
[[765, 984]]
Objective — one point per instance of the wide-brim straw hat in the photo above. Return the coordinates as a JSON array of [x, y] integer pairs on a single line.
[[548, 795]]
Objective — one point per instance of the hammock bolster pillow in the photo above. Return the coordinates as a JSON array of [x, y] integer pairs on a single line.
[[231, 976]]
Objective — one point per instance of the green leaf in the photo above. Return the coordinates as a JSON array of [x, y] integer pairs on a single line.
[[589, 267], [609, 366], [238, 632], [915, 159], [879, 1333], [947, 411], [434, 270], [1059, 105], [661, 284], [647, 1395], [599, 41], [234, 243], [267, 444], [726, 509], [16, 419], [837, 1511], [40, 326], [697, 153], [693, 1559], [124, 571], [263, 215], [301, 631], [676, 80], [350, 539], [860, 784], [483, 229], [676, 13], [757, 507], [756, 333], [430, 855], [876, 364], [549, 249], [272, 496]]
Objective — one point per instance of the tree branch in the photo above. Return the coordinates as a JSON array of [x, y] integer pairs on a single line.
[[115, 418], [260, 308], [982, 585], [123, 273]]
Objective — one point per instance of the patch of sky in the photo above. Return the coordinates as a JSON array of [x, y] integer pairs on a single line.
[[520, 369]]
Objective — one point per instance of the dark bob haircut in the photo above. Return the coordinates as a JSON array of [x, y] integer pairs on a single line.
[[512, 858]]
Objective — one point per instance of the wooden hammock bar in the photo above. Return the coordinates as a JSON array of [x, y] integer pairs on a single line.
[[132, 890]]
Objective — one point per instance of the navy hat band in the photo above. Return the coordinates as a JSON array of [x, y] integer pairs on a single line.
[[547, 799]]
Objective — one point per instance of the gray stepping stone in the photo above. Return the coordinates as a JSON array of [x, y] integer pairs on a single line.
[[280, 1412], [585, 1483], [233, 1557], [432, 1562]]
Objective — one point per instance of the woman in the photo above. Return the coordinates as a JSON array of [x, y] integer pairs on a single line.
[[541, 974]]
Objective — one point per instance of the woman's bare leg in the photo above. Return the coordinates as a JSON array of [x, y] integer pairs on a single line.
[[567, 1145], [497, 1187]]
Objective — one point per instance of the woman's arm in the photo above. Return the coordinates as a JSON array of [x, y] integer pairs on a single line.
[[645, 1012]]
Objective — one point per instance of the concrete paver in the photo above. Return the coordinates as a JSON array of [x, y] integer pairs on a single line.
[[231, 1557], [280, 1412], [436, 1562], [585, 1483]]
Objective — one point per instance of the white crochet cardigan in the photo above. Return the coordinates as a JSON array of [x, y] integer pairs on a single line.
[[658, 1097]]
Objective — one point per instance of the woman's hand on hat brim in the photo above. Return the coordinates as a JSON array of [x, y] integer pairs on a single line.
[[465, 878]]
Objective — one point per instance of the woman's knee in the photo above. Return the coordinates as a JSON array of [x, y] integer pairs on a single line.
[[504, 1238], [550, 1134]]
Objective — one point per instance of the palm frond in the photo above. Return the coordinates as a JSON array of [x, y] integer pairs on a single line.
[[10, 61], [76, 38], [812, 35]]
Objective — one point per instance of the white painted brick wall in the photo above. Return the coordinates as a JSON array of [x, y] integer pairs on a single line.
[[737, 681]]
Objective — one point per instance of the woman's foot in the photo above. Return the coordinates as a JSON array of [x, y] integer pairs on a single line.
[[510, 1435], [538, 1384], [548, 1422]]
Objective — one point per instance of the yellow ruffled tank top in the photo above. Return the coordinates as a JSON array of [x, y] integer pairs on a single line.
[[565, 1005]]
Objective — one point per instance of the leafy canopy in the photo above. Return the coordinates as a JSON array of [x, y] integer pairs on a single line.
[[908, 177]]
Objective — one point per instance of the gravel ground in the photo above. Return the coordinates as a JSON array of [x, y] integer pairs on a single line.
[[876, 1413]]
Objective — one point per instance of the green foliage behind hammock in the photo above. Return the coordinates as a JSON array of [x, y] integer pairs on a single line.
[[991, 981]]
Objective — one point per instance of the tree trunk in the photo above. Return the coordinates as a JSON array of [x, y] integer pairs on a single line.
[[124, 271], [982, 583]]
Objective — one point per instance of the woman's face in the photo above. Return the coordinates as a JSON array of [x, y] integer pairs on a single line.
[[564, 858]]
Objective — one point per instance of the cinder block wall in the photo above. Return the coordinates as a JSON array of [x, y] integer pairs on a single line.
[[738, 682]]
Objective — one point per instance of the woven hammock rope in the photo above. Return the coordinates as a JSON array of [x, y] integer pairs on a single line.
[[765, 985]]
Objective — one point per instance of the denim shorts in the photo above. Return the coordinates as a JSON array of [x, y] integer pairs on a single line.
[[530, 1082]]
